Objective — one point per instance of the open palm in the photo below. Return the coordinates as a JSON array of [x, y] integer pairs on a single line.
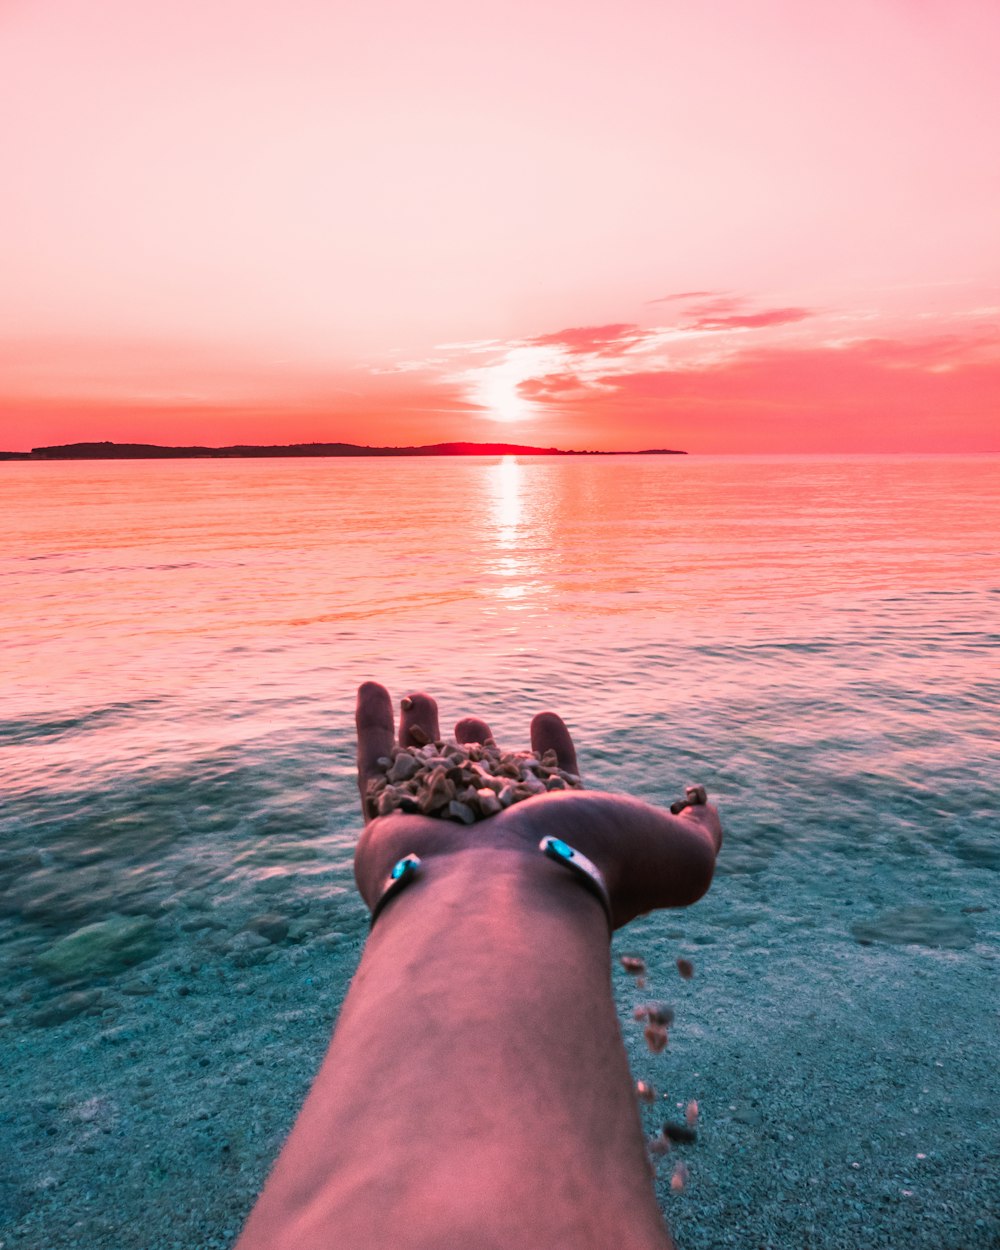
[[649, 858]]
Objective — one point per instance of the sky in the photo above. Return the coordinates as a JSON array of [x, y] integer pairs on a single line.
[[720, 226]]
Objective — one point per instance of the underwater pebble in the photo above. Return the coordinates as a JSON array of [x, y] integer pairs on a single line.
[[691, 1113], [686, 968], [100, 949], [64, 1008], [679, 1179], [271, 925]]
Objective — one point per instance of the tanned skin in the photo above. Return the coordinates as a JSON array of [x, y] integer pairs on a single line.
[[476, 1093]]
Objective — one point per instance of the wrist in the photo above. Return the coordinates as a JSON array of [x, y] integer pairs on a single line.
[[509, 885]]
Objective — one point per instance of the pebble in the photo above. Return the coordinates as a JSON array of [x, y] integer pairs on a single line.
[[645, 1092], [655, 1013], [100, 949], [686, 968], [656, 1037], [679, 1179], [633, 965], [465, 782], [271, 925]]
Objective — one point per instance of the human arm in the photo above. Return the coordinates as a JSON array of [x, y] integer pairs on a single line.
[[476, 1091]]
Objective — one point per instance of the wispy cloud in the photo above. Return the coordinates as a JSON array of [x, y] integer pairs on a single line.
[[682, 295]]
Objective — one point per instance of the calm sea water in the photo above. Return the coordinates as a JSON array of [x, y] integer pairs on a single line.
[[813, 639]]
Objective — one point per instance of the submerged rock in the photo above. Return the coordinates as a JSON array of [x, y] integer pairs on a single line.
[[918, 923], [100, 949]]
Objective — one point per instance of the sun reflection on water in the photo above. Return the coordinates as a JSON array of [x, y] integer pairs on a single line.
[[511, 567]]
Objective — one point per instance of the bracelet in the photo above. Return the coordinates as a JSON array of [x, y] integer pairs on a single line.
[[588, 874]]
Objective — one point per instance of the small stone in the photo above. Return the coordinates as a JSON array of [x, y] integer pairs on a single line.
[[633, 965], [645, 1092], [64, 1008], [658, 1145], [686, 968], [691, 1113], [404, 767], [656, 1013], [271, 925], [383, 762], [461, 811], [656, 1037], [679, 1179], [489, 804], [100, 949]]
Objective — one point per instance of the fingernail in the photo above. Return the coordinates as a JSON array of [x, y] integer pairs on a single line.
[[406, 703]]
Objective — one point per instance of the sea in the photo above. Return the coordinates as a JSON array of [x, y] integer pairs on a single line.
[[814, 639]]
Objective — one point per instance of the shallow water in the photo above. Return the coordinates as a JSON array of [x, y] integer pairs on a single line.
[[814, 639]]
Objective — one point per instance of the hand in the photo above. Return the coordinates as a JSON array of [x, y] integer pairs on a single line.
[[649, 858]]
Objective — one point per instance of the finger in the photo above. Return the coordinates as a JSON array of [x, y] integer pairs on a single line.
[[376, 733], [549, 733], [706, 815], [472, 729], [418, 721]]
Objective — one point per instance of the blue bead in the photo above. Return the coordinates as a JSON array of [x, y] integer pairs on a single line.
[[561, 848], [399, 868]]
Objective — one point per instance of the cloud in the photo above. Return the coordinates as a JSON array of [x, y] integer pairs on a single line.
[[875, 394], [682, 295], [601, 339], [712, 320]]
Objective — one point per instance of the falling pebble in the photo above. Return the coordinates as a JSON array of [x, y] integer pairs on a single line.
[[691, 1113], [633, 965], [686, 968], [679, 1178], [658, 1145], [856, 1166], [656, 1037], [919, 1156], [645, 1092]]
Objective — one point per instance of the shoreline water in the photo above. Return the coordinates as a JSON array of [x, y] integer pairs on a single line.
[[810, 639]]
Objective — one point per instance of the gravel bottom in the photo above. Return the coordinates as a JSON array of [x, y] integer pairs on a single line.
[[845, 1085]]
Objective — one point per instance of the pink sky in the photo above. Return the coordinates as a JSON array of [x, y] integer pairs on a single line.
[[721, 226]]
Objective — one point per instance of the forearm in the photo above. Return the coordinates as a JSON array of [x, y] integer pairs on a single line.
[[476, 1091]]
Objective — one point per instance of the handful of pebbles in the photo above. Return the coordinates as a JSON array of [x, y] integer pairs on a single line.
[[464, 782]]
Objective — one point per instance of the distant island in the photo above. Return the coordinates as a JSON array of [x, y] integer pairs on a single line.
[[149, 451]]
